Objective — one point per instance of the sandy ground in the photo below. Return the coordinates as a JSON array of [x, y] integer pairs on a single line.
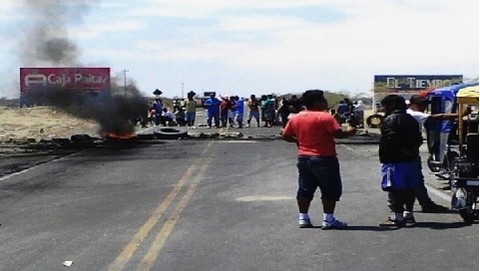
[[41, 123]]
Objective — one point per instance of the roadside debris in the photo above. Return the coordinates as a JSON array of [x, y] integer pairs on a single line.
[[67, 263]]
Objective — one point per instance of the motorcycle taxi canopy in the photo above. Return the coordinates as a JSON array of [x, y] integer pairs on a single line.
[[443, 100], [465, 96], [468, 95]]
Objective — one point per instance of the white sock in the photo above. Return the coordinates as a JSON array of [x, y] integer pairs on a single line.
[[407, 214], [303, 216], [328, 217]]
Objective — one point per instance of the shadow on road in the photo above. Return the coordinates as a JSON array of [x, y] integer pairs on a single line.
[[431, 225], [443, 225]]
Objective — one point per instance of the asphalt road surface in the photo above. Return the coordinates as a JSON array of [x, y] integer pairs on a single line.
[[212, 205]]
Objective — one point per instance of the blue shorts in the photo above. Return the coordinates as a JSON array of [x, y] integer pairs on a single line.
[[319, 171], [254, 114], [400, 176], [190, 116]]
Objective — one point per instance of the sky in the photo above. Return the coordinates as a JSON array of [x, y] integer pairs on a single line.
[[243, 47]]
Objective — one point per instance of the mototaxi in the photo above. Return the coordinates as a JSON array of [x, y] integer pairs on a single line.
[[442, 135], [464, 168]]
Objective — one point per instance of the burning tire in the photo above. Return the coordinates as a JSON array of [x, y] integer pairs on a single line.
[[170, 133]]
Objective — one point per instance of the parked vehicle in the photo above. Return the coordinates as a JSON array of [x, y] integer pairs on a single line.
[[442, 136], [464, 168]]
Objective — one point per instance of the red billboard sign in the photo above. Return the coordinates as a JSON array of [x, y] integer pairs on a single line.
[[83, 79]]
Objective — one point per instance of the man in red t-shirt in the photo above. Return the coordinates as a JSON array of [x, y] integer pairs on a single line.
[[314, 131]]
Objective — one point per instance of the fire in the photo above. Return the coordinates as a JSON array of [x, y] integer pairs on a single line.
[[113, 135]]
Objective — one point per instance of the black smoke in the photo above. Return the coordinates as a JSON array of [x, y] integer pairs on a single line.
[[46, 42], [114, 113]]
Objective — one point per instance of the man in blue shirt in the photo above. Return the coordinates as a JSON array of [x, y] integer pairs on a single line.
[[239, 111], [213, 110], [158, 107]]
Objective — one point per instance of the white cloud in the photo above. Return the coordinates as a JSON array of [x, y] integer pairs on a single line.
[[395, 35], [266, 24], [96, 30], [206, 9], [377, 37], [9, 10]]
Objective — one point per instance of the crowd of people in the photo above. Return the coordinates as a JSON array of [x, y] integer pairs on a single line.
[[230, 111], [238, 112], [183, 113], [350, 111]]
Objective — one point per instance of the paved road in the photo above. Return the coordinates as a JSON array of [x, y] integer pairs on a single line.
[[211, 205]]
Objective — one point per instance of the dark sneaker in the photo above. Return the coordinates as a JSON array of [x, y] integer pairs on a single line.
[[433, 208], [393, 223], [409, 219], [304, 223], [334, 224]]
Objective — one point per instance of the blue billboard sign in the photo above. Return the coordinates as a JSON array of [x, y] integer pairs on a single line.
[[415, 82]]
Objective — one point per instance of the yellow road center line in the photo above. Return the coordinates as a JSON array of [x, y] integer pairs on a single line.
[[152, 254], [128, 251]]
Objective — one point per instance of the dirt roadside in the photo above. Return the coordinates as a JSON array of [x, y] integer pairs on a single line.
[[41, 123]]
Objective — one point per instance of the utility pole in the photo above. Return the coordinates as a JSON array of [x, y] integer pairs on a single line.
[[182, 90], [125, 81]]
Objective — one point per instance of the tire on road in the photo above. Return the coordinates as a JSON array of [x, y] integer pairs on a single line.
[[170, 133], [375, 120]]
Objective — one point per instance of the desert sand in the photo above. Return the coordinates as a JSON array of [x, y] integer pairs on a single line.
[[41, 123]]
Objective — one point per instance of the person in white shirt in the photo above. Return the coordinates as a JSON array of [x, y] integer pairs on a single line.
[[358, 111], [417, 106], [168, 117]]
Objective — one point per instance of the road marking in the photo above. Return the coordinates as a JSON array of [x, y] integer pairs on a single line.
[[152, 254], [128, 251], [54, 160]]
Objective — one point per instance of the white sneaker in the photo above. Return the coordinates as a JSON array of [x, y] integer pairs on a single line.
[[334, 224], [304, 223]]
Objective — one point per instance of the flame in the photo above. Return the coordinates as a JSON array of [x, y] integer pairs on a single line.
[[113, 135]]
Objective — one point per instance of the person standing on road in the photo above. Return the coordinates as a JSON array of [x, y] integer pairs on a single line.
[[314, 130], [225, 109], [358, 112], [268, 110], [213, 110], [239, 111], [398, 152], [231, 112], [191, 109], [272, 107], [253, 110], [284, 111], [417, 107], [157, 107]]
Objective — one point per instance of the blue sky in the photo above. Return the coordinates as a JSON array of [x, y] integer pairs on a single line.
[[245, 47]]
